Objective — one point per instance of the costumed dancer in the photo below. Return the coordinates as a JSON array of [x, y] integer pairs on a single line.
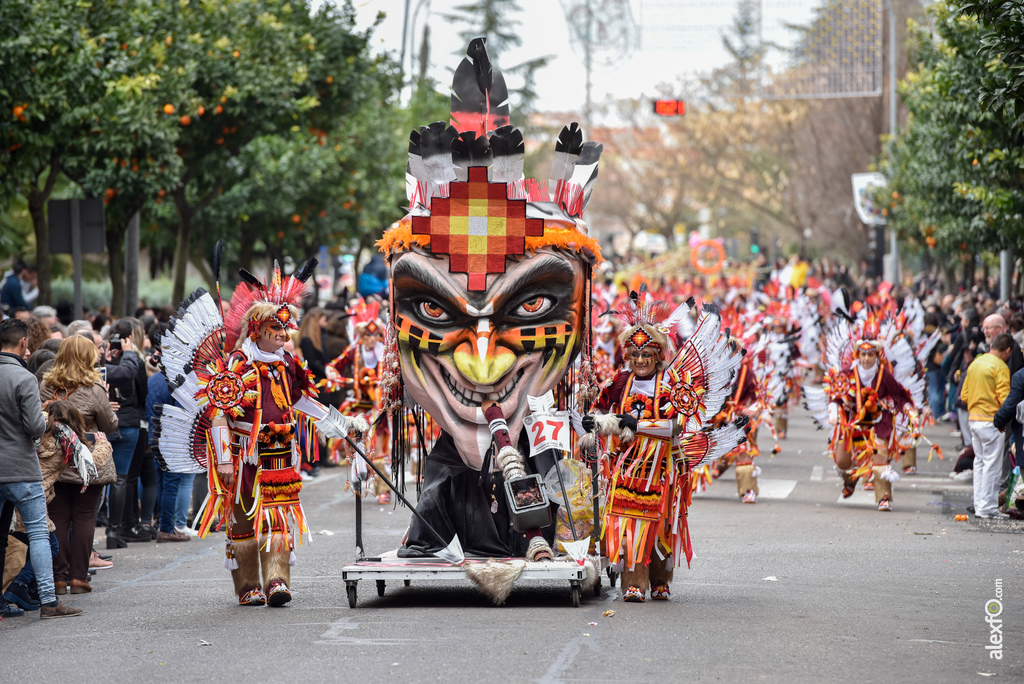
[[658, 412], [861, 401], [247, 409], [490, 299], [747, 400], [359, 369]]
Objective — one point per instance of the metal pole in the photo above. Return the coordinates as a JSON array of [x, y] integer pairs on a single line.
[[131, 266], [76, 256], [894, 267], [405, 33], [1005, 274]]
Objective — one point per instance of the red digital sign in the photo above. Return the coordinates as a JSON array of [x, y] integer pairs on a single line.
[[669, 107]]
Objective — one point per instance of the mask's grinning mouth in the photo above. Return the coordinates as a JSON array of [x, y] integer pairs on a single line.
[[475, 399]]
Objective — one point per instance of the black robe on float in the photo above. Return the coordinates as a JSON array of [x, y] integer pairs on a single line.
[[456, 499]]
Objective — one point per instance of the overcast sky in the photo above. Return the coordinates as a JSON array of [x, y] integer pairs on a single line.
[[669, 37]]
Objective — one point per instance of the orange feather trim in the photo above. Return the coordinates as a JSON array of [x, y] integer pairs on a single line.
[[400, 238]]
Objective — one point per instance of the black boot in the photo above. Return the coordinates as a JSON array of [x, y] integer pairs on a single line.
[[115, 509]]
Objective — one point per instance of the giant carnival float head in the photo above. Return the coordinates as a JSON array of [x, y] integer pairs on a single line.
[[490, 271]]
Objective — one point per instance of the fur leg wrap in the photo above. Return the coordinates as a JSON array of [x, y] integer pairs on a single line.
[[379, 485], [660, 571], [639, 576], [511, 463], [247, 575], [910, 457], [884, 477], [781, 425], [746, 479], [274, 560], [609, 425]]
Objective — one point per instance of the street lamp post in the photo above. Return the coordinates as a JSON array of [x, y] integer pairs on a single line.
[[894, 262]]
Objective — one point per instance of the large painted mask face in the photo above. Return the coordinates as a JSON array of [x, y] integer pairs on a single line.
[[459, 347]]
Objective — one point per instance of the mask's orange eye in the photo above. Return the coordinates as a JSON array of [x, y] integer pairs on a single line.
[[432, 311], [534, 307]]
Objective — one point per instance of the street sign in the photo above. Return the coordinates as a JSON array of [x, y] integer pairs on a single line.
[[863, 185], [92, 226]]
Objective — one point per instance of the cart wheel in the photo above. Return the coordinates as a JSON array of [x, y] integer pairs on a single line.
[[612, 577], [351, 595], [574, 588], [408, 583], [597, 586], [380, 587]]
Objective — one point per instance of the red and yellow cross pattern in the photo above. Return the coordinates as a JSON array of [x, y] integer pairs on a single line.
[[477, 226]]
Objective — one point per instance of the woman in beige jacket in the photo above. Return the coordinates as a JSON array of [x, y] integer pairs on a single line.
[[74, 378]]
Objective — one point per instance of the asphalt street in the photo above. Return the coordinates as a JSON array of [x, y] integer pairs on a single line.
[[799, 587]]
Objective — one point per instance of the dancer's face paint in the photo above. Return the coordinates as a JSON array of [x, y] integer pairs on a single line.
[[515, 338], [643, 362], [273, 336]]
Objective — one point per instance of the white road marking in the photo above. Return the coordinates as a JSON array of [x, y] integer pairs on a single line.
[[769, 489], [817, 472], [858, 498]]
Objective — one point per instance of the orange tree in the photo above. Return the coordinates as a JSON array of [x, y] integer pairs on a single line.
[[45, 64], [259, 68]]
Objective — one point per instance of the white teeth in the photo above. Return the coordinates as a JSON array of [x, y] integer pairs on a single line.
[[475, 399]]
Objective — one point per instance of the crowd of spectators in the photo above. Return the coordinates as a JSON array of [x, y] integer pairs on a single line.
[[94, 373], [100, 375]]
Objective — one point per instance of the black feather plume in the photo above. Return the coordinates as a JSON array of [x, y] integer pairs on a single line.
[[249, 278], [307, 270], [218, 254]]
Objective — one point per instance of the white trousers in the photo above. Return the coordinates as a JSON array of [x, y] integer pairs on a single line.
[[988, 466]]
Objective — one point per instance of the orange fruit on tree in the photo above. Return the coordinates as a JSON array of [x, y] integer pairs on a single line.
[[218, 109], [200, 111], [330, 79], [280, 235], [236, 53], [162, 193], [18, 110], [185, 120], [219, 141], [168, 108], [168, 40], [296, 218]]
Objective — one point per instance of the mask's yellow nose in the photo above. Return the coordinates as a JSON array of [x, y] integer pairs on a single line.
[[486, 369]]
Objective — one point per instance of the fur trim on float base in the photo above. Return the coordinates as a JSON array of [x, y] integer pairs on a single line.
[[495, 578], [884, 477], [609, 425], [746, 480], [274, 559], [247, 573]]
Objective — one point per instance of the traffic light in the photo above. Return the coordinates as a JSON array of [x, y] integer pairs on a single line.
[[755, 241], [669, 107]]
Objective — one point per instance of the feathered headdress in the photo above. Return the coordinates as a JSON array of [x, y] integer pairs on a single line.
[[467, 194], [647, 322], [254, 302]]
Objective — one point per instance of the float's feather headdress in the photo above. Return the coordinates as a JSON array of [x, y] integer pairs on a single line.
[[467, 195]]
